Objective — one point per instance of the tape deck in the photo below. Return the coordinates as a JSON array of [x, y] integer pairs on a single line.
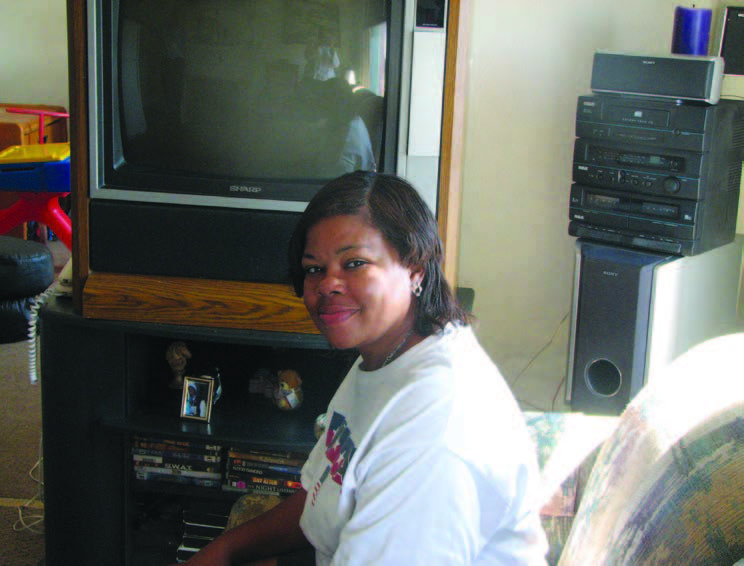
[[669, 225]]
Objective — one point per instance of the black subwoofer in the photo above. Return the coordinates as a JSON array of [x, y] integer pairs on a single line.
[[610, 328]]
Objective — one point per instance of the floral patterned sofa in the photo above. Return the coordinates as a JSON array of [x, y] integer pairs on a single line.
[[661, 484]]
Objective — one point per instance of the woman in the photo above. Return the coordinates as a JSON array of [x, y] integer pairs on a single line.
[[426, 458]]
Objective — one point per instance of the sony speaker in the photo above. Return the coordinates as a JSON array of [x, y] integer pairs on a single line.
[[635, 312], [609, 334], [731, 48], [679, 77]]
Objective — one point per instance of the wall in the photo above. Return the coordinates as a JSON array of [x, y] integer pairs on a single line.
[[33, 52], [528, 65]]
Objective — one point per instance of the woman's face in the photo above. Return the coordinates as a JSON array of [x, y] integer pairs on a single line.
[[356, 290]]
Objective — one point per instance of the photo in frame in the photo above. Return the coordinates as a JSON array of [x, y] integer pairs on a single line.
[[198, 393]]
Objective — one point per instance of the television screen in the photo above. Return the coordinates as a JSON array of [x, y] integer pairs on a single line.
[[254, 99], [214, 122]]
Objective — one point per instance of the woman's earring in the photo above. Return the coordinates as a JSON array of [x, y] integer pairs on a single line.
[[416, 289]]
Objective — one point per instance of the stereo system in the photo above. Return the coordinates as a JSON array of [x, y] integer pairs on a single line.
[[656, 174]]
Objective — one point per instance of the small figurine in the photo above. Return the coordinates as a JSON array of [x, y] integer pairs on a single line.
[[288, 391], [177, 355]]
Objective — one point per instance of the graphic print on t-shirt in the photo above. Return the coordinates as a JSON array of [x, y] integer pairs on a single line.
[[339, 450]]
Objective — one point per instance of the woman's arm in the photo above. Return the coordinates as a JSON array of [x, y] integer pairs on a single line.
[[273, 533]]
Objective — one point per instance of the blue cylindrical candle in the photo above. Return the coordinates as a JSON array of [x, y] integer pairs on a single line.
[[691, 31]]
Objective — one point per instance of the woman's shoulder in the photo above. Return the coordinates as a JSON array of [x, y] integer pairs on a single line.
[[445, 367], [455, 349]]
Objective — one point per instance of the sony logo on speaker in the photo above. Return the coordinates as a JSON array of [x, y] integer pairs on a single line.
[[611, 273]]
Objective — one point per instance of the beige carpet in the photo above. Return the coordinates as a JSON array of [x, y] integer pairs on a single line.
[[20, 423], [19, 545], [20, 437]]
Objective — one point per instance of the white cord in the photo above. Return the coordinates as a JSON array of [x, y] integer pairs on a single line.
[[29, 522], [36, 303]]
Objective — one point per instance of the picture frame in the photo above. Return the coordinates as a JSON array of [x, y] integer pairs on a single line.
[[197, 399]]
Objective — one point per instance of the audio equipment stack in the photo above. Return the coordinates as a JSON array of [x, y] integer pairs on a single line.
[[652, 171], [653, 202]]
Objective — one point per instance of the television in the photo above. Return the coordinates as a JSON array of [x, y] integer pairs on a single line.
[[214, 122]]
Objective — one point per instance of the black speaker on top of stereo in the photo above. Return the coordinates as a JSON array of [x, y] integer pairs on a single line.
[[609, 334]]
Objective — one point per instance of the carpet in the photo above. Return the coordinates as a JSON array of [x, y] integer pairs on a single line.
[[21, 532], [20, 423], [20, 437], [24, 546]]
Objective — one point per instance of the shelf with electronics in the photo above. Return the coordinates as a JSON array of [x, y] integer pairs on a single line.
[[106, 376]]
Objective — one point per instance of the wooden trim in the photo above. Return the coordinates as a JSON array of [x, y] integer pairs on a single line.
[[195, 302], [78, 78], [450, 162]]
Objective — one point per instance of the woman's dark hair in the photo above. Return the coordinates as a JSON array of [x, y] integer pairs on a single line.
[[395, 208]]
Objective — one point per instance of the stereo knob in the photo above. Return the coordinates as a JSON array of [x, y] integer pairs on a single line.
[[672, 185]]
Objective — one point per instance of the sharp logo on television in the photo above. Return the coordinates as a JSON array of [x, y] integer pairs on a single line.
[[244, 189]]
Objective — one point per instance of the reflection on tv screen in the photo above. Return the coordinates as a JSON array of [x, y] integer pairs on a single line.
[[277, 89]]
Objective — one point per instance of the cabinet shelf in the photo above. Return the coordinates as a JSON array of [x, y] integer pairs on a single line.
[[258, 426], [107, 381]]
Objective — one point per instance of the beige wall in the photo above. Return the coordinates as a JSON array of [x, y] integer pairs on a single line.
[[527, 65], [33, 52]]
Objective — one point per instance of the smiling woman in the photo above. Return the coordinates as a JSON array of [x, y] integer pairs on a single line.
[[384, 258], [426, 457], [356, 290]]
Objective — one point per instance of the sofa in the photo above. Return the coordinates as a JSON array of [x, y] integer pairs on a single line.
[[663, 483]]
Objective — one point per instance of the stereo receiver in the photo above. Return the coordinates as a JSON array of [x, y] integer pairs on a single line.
[[683, 174]]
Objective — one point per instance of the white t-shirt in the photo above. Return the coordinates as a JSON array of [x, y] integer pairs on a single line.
[[425, 461]]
